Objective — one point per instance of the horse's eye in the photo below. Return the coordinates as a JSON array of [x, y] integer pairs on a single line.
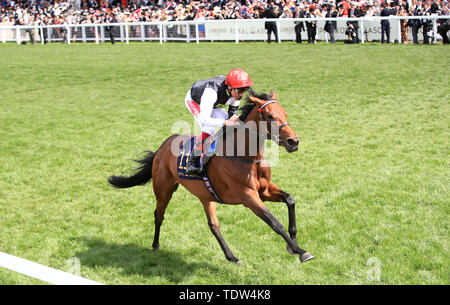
[[270, 117]]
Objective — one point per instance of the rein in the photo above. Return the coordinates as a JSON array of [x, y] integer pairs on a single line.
[[265, 135], [244, 160]]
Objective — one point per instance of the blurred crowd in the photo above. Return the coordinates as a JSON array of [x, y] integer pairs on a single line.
[[45, 12]]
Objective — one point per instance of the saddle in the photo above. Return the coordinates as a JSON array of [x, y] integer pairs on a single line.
[[182, 160]]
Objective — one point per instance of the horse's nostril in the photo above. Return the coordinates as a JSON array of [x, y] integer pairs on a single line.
[[292, 142]]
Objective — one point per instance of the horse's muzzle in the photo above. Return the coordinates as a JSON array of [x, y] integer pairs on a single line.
[[291, 144]]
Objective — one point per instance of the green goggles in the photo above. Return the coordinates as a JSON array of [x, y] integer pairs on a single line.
[[241, 90]]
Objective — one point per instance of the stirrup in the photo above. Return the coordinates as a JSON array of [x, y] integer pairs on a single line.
[[192, 167]]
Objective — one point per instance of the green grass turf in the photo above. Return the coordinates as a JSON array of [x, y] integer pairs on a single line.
[[370, 179]]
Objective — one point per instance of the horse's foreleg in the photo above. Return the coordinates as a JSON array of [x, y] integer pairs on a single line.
[[275, 194], [210, 210], [254, 203]]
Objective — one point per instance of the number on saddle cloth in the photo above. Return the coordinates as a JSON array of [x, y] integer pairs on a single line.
[[186, 152]]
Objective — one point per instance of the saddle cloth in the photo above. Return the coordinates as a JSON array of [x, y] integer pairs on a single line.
[[182, 160]]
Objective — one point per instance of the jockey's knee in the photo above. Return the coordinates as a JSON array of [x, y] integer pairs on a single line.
[[200, 140]]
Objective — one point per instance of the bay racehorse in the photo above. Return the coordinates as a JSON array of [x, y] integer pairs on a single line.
[[243, 179]]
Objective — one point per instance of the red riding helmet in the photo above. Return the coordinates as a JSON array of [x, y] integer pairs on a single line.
[[238, 78]]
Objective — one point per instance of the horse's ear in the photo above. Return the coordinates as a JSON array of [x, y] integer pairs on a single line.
[[256, 100], [273, 95], [251, 91]]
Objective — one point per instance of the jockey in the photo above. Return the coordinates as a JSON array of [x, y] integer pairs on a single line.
[[206, 101]]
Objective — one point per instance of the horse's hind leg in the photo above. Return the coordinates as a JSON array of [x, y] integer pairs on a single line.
[[210, 210], [163, 192]]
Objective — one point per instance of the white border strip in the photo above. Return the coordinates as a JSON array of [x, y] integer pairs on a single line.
[[42, 272]]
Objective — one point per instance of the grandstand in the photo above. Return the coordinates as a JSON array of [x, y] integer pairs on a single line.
[[84, 21]]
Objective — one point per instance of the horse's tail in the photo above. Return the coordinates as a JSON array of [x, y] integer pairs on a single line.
[[142, 176]]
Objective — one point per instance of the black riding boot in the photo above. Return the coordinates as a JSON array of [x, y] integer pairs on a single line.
[[193, 166]]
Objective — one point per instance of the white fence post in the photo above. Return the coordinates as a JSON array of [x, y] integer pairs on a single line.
[[127, 38], [196, 33], [188, 33], [362, 31], [102, 32], [278, 32], [160, 34], [96, 34], [165, 32]]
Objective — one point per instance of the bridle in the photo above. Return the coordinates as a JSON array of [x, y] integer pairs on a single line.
[[261, 118], [267, 135]]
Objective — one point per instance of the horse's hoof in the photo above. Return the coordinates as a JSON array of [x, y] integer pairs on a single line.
[[289, 249], [239, 263], [306, 256]]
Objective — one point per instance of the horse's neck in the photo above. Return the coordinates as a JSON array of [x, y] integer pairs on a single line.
[[244, 142], [252, 122]]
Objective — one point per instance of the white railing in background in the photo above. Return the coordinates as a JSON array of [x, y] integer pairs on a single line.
[[206, 30]]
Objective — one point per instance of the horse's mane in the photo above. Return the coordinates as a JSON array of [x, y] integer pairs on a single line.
[[249, 105]]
